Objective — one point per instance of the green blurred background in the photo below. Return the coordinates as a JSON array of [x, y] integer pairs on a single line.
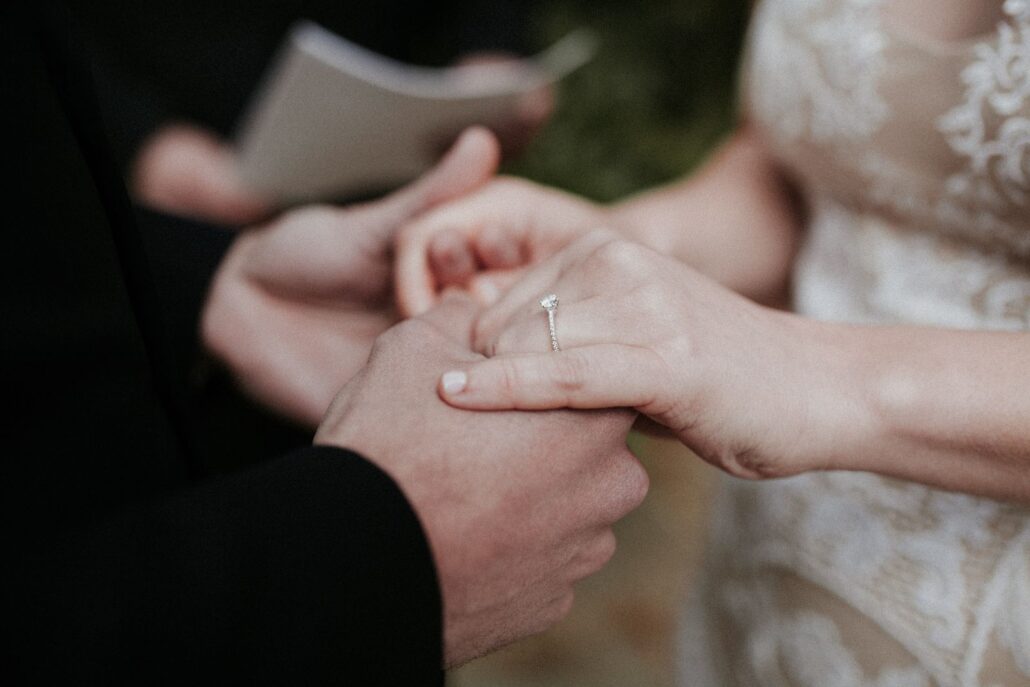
[[657, 98]]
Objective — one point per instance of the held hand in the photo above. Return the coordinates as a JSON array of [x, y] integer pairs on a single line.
[[745, 387], [483, 242], [296, 304], [186, 170], [517, 506]]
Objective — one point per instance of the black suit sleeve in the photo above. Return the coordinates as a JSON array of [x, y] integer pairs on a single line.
[[310, 568], [123, 564]]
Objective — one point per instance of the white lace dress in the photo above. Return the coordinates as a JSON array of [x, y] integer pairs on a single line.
[[912, 148]]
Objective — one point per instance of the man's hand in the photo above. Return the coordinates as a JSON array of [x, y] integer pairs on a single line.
[[186, 170], [517, 506], [296, 304]]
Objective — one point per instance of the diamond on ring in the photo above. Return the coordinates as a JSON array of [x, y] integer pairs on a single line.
[[550, 304]]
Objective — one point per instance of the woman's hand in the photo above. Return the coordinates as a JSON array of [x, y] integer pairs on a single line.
[[748, 388], [483, 242]]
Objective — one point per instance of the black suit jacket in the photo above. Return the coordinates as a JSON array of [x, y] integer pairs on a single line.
[[126, 563]]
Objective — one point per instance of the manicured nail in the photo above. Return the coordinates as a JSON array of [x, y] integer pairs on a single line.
[[454, 382]]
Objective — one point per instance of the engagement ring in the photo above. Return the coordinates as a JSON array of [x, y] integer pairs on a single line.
[[550, 304]]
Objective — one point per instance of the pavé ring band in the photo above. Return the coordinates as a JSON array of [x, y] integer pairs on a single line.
[[550, 304]]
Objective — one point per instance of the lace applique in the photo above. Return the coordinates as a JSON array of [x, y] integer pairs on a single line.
[[1014, 592], [948, 213], [990, 130], [814, 655], [823, 84], [913, 560], [998, 86], [801, 648], [856, 269], [924, 218]]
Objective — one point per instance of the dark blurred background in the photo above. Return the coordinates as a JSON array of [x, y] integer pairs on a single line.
[[658, 97]]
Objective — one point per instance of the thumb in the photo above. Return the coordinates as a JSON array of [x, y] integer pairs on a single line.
[[599, 376], [470, 162]]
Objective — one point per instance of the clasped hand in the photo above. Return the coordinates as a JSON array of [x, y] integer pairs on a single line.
[[640, 330]]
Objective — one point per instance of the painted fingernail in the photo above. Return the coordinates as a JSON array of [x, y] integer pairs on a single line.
[[454, 382]]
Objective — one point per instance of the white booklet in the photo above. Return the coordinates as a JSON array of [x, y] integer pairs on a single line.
[[334, 119]]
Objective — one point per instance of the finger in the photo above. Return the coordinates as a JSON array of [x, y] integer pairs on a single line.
[[487, 288], [422, 266], [453, 316], [471, 161], [227, 198], [522, 299], [577, 324], [451, 260], [540, 280], [414, 281], [499, 247], [602, 376]]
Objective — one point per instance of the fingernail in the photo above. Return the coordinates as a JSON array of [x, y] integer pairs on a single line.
[[454, 382]]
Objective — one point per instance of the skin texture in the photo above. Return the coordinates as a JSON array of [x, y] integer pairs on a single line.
[[297, 303], [517, 506], [734, 221], [757, 392]]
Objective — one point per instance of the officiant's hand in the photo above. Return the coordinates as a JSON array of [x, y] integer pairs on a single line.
[[750, 389], [296, 304], [184, 169], [483, 242], [517, 506]]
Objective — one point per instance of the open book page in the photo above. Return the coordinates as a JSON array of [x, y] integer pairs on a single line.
[[335, 119]]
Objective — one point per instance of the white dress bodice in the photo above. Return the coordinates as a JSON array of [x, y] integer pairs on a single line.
[[912, 152]]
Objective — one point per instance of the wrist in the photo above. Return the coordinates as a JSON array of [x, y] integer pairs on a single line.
[[841, 420]]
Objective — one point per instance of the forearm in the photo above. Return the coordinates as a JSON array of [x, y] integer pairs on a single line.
[[946, 408], [734, 221]]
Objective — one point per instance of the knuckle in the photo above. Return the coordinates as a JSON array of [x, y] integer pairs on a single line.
[[514, 340], [605, 549], [631, 486], [404, 334], [750, 463], [511, 186], [650, 297], [569, 373], [510, 377], [617, 255], [563, 606], [638, 483]]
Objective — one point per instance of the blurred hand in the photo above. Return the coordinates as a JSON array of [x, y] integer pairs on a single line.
[[749, 389], [517, 506], [184, 169], [296, 304], [531, 114], [483, 242]]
